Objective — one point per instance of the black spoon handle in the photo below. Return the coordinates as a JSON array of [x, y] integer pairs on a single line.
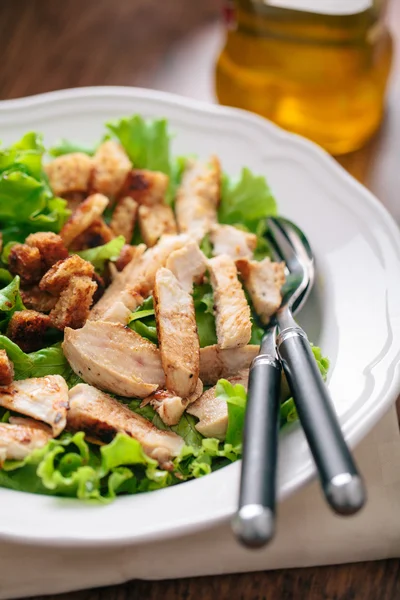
[[341, 482], [254, 523]]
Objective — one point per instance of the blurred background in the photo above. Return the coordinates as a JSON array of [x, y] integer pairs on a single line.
[[334, 78]]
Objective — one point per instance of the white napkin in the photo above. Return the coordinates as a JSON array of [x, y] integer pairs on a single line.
[[308, 534]]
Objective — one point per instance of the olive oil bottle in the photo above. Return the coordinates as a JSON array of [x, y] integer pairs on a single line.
[[318, 68]]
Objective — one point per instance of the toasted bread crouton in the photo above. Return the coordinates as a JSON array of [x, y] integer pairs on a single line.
[[87, 212], [27, 328], [69, 173], [72, 308], [6, 369], [58, 277], [124, 218], [74, 199], [125, 256], [26, 262], [97, 234], [155, 221], [111, 166], [50, 246], [36, 299], [146, 187]]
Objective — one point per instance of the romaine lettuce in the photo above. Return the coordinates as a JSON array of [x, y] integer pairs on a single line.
[[99, 255]]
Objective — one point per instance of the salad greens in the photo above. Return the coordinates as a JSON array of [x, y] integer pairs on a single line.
[[70, 465]]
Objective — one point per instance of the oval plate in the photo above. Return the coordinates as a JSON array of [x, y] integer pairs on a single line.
[[354, 311]]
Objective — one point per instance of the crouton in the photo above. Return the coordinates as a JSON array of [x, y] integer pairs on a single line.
[[69, 173], [146, 187], [27, 328], [50, 246], [97, 234], [87, 212], [36, 299], [74, 199], [58, 277], [111, 167], [26, 262], [72, 308], [124, 218], [155, 221], [6, 369], [125, 256]]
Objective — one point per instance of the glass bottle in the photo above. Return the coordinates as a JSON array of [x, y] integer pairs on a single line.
[[315, 67]]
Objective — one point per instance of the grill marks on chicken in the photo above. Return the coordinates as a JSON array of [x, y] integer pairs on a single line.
[[20, 437], [198, 197], [232, 312], [114, 358], [42, 398], [101, 416]]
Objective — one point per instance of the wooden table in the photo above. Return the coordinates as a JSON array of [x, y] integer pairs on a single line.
[[48, 45]]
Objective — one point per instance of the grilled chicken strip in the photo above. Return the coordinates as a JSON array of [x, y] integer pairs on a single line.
[[42, 398], [188, 265], [263, 280], [212, 412], [171, 407], [101, 416], [232, 241], [20, 437], [216, 363], [177, 334], [198, 197], [232, 312], [136, 281], [114, 358]]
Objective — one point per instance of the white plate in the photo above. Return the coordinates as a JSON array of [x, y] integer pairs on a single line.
[[354, 313]]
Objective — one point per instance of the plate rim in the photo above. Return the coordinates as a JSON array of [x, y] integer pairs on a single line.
[[10, 108]]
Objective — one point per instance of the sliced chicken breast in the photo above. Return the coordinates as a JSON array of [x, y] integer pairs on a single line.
[[198, 197], [177, 334], [171, 407], [101, 416], [188, 265], [212, 411], [232, 241], [263, 280], [20, 437], [216, 363], [136, 281], [42, 398], [114, 358], [232, 312]]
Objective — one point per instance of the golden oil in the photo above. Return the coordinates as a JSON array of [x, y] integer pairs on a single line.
[[322, 76]]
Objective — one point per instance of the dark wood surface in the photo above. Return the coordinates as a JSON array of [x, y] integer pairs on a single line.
[[47, 45]]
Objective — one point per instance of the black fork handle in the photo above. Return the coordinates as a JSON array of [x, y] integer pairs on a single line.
[[341, 482], [254, 523]]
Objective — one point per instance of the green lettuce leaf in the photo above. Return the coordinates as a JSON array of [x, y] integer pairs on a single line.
[[203, 299], [10, 302], [235, 396], [64, 146], [99, 255], [47, 361], [143, 321], [246, 200], [26, 201]]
